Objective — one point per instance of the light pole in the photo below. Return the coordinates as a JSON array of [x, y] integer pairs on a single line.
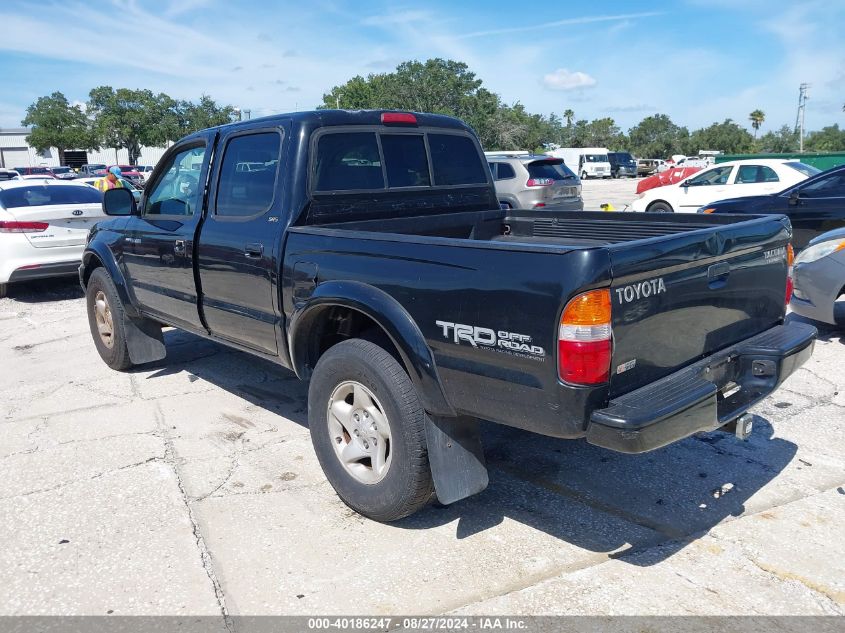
[[337, 100]]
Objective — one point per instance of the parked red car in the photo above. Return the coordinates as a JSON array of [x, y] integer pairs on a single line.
[[132, 175], [668, 177], [44, 172]]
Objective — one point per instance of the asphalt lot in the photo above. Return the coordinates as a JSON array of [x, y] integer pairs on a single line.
[[190, 487]]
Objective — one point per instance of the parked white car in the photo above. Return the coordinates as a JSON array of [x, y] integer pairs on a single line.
[[734, 179], [43, 227]]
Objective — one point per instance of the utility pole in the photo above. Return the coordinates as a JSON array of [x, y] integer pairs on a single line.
[[337, 100], [799, 117]]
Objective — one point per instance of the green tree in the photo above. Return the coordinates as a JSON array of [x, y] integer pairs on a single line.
[[604, 133], [657, 136], [783, 140], [828, 139], [126, 118], [192, 117], [57, 123], [757, 117], [568, 114], [727, 137]]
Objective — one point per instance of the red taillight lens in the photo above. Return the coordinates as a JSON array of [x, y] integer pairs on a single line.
[[398, 117], [539, 182], [790, 258], [585, 339], [23, 227]]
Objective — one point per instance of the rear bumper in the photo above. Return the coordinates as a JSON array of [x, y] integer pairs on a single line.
[[44, 271], [691, 400]]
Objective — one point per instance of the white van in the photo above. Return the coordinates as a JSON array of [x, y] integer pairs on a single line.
[[587, 162]]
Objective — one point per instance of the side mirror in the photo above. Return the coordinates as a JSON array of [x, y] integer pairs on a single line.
[[686, 183], [794, 198], [119, 202]]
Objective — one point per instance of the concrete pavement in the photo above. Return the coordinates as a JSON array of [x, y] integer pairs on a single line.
[[190, 487]]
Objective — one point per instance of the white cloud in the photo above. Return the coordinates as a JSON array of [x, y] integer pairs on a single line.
[[567, 22], [563, 79]]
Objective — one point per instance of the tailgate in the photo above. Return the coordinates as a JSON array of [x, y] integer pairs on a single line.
[[679, 298], [68, 224]]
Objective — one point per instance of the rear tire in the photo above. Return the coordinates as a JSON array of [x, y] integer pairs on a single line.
[[4, 289], [360, 402], [105, 318], [660, 207], [583, 175]]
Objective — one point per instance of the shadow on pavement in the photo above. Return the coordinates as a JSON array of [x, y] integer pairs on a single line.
[[45, 290], [827, 332], [592, 498]]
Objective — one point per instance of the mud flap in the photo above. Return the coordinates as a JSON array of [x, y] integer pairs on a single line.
[[144, 340], [456, 457]]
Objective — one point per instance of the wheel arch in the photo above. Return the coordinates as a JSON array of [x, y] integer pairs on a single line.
[[94, 258], [339, 310]]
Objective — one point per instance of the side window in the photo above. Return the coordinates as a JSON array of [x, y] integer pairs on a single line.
[[755, 174], [405, 160], [832, 186], [177, 192], [505, 172], [716, 176], [248, 175], [455, 160], [348, 161], [492, 167]]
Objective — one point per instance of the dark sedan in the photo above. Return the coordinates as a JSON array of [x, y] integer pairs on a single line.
[[814, 206]]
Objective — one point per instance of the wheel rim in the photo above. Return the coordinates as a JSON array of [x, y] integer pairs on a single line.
[[103, 317], [359, 432]]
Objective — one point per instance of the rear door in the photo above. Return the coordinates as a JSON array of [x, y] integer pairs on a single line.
[[555, 180], [68, 210], [239, 240], [756, 180], [677, 299], [159, 255]]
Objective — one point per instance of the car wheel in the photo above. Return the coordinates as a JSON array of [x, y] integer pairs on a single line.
[[368, 429], [660, 207], [4, 289], [584, 176], [105, 318]]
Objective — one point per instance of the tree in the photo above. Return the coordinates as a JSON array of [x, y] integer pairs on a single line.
[[727, 137], [192, 117], [757, 117], [57, 123], [784, 140], [568, 114], [657, 137], [828, 139], [126, 118]]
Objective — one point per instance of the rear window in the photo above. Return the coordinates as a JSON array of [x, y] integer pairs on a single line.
[[352, 161], [44, 195], [807, 170], [549, 170], [8, 175], [455, 160]]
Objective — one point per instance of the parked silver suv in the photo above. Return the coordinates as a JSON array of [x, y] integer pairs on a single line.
[[531, 181]]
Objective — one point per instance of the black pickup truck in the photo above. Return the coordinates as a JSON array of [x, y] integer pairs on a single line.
[[366, 251]]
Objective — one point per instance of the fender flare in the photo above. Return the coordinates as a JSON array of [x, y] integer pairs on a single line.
[[390, 316], [99, 255]]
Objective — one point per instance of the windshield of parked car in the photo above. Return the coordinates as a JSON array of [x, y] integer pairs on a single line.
[[595, 158], [807, 170], [624, 157], [60, 170], [40, 195]]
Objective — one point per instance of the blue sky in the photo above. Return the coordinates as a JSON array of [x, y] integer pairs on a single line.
[[698, 61]]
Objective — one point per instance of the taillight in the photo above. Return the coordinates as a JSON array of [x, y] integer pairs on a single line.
[[584, 339], [540, 182], [23, 227], [790, 258]]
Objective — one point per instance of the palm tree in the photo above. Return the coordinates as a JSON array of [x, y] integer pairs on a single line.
[[757, 117], [569, 115]]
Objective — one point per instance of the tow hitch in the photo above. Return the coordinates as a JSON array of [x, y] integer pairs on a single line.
[[741, 427]]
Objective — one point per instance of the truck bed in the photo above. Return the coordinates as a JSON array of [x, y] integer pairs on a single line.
[[562, 230]]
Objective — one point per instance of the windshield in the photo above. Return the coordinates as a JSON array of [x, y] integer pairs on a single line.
[[595, 158], [554, 171], [39, 195], [807, 170], [60, 170], [624, 157]]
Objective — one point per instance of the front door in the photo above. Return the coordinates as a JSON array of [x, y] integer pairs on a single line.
[[708, 186], [238, 246], [820, 207], [159, 256]]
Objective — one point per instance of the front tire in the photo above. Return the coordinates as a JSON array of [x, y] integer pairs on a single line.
[[660, 207], [105, 318], [4, 290], [368, 430], [584, 175]]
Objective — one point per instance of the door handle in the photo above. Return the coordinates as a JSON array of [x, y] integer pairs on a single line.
[[179, 247], [254, 251]]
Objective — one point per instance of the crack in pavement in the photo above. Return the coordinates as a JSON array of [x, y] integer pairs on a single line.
[[204, 552]]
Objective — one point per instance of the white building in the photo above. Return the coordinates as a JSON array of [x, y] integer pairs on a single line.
[[15, 152]]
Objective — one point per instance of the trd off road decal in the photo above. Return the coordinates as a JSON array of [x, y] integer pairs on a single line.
[[500, 341]]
